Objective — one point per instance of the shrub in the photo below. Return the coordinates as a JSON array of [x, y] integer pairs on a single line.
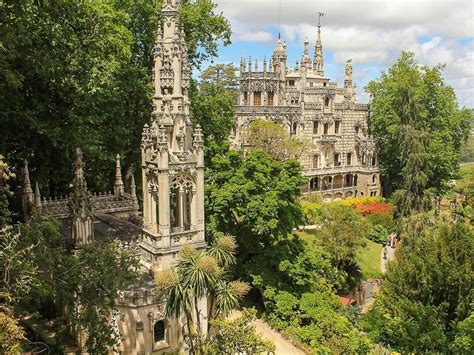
[[379, 234]]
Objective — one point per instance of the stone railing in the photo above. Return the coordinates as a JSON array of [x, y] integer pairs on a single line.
[[101, 203], [246, 109]]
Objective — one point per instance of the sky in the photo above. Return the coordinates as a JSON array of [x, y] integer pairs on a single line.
[[372, 33]]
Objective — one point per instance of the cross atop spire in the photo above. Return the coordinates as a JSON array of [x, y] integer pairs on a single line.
[[318, 50]]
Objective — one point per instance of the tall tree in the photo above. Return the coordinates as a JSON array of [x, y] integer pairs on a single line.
[[444, 124], [413, 144]]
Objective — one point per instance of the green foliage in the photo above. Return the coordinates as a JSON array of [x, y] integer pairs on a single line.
[[274, 140], [379, 234], [42, 276], [197, 275], [316, 320], [443, 126], [221, 75], [427, 291], [342, 231], [78, 74], [238, 336], [467, 150], [256, 199], [382, 219], [11, 334]]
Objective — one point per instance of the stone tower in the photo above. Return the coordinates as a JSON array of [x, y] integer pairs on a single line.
[[172, 153]]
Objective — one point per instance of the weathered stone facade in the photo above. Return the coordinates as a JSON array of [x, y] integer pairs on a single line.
[[343, 162]]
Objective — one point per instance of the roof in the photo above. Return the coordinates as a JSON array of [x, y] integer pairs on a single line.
[[106, 228], [346, 300]]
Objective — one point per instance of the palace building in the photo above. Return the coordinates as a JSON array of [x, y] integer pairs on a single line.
[[342, 162]]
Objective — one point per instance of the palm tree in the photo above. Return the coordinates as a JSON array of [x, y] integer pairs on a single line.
[[201, 274]]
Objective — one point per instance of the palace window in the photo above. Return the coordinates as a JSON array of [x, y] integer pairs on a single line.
[[374, 161], [311, 84], [324, 84], [294, 127], [315, 161], [326, 101], [337, 126], [245, 98], [315, 127], [159, 331], [326, 128], [257, 98], [349, 159], [336, 159], [270, 98], [291, 83], [357, 129], [314, 184], [374, 178]]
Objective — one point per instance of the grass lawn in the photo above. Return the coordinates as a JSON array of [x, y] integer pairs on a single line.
[[369, 260]]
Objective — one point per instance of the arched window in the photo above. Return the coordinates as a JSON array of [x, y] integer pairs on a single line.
[[181, 200], [159, 331], [315, 127], [270, 98], [294, 127], [374, 178], [326, 101], [257, 98], [326, 128]]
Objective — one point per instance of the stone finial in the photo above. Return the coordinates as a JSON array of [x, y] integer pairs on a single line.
[[27, 190], [264, 63], [162, 140], [133, 192], [37, 196], [118, 186], [78, 166], [198, 140], [250, 64], [256, 65]]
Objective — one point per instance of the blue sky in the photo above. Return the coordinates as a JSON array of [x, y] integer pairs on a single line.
[[371, 33]]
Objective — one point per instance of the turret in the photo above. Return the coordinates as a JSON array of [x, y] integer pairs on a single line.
[[349, 87], [279, 59], [318, 63], [118, 186], [27, 198], [305, 59]]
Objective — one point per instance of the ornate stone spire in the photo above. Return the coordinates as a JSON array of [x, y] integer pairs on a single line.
[[27, 190], [37, 196], [318, 64], [118, 186], [80, 206], [349, 88], [133, 192], [305, 59], [198, 140]]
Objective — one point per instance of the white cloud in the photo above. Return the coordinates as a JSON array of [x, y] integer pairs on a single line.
[[371, 32], [257, 36]]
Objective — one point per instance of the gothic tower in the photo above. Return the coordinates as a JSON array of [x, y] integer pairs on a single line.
[[172, 153]]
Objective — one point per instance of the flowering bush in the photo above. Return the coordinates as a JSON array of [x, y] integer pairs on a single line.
[[370, 205]]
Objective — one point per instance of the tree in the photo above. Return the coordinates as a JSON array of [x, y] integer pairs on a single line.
[[198, 275], [273, 139], [412, 195], [222, 75], [341, 234], [238, 335], [317, 320], [427, 297], [257, 200], [443, 123]]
